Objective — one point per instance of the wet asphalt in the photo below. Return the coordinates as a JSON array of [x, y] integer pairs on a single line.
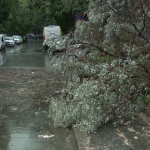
[[26, 55], [24, 122]]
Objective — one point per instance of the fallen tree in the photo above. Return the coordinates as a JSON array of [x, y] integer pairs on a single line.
[[112, 81]]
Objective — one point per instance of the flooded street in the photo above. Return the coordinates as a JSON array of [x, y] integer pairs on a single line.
[[25, 84], [26, 55]]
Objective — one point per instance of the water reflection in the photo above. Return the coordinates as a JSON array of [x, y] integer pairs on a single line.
[[13, 50], [26, 55], [2, 58], [19, 129], [4, 133], [10, 51]]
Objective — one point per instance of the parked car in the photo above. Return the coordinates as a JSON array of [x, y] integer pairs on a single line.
[[77, 50], [2, 42], [17, 39], [25, 38], [29, 36], [39, 36], [9, 41]]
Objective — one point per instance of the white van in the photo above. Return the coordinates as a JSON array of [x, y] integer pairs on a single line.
[[51, 31], [2, 42]]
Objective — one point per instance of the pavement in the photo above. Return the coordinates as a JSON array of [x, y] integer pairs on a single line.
[[24, 122], [134, 136]]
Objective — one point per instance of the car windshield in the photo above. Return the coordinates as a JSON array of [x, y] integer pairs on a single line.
[[0, 38], [8, 38], [16, 37]]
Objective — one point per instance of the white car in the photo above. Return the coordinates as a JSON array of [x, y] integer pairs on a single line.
[[2, 42], [9, 41], [17, 39]]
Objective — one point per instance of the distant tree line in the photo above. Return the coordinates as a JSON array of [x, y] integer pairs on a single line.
[[30, 16]]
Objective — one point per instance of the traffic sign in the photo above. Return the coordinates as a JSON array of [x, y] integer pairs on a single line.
[[78, 17]]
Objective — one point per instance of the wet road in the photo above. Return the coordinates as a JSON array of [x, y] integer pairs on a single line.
[[25, 55], [23, 117]]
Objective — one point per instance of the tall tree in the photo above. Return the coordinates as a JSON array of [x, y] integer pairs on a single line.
[[7, 9], [59, 12]]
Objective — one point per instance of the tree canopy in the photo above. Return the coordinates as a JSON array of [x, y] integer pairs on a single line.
[[25, 16]]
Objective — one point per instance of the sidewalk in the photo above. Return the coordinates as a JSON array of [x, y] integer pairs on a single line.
[[135, 136]]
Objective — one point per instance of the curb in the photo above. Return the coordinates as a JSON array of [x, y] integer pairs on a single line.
[[82, 139]]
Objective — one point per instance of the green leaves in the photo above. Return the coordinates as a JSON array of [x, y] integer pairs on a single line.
[[102, 87]]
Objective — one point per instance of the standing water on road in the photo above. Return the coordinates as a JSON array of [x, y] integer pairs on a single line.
[[25, 84], [25, 55]]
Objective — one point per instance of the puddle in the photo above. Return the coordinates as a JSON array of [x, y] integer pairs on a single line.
[[27, 55], [24, 112]]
